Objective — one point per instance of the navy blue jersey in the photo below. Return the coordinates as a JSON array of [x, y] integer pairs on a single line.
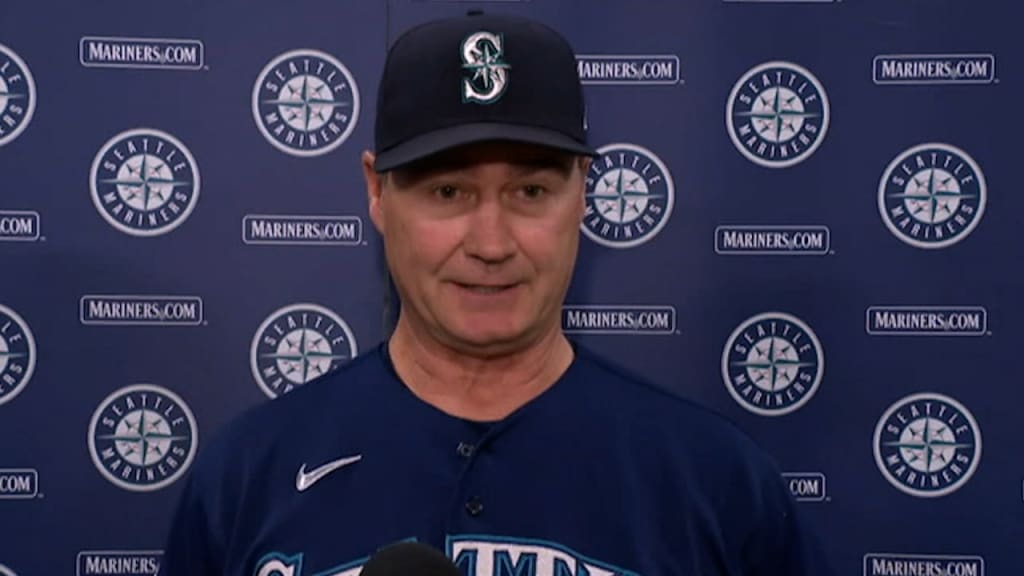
[[600, 474]]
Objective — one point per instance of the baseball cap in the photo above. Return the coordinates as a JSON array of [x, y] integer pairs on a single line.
[[473, 78]]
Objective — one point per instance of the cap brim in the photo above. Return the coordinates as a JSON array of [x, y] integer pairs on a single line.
[[440, 140]]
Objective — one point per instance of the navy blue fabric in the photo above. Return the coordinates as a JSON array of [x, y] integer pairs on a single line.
[[601, 467]]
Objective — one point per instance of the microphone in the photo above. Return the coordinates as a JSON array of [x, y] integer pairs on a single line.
[[409, 559]]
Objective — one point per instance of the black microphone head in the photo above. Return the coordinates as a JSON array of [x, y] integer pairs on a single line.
[[409, 559]]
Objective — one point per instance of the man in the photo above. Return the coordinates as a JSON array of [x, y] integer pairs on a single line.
[[478, 428]]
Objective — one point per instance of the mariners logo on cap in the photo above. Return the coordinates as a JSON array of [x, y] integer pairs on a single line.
[[144, 182], [17, 354], [296, 344], [486, 73], [17, 95], [305, 102], [142, 437], [777, 114], [932, 195], [772, 364], [927, 445], [629, 196], [5, 571]]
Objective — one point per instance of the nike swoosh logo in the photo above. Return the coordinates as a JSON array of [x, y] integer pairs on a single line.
[[303, 480]]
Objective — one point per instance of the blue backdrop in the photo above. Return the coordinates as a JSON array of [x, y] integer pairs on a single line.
[[804, 217]]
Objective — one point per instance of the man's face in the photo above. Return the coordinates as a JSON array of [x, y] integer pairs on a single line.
[[481, 241]]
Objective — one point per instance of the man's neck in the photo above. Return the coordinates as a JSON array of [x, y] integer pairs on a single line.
[[477, 387]]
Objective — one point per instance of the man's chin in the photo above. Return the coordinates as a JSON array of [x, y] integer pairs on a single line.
[[489, 343]]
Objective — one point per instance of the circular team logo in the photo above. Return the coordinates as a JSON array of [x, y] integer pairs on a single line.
[[17, 95], [305, 102], [932, 195], [143, 437], [772, 364], [296, 344], [5, 571], [777, 114], [927, 445], [17, 354], [144, 182], [629, 196]]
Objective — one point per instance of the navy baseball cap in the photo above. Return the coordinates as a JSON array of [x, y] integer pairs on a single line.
[[474, 78]]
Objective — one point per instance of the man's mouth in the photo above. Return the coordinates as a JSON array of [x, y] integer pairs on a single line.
[[485, 288]]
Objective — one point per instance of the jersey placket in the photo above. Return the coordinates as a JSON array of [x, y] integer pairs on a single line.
[[468, 507]]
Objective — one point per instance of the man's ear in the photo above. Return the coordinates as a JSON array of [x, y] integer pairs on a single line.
[[374, 189], [584, 166]]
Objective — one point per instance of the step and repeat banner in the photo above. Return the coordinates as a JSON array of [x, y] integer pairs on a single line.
[[805, 216]]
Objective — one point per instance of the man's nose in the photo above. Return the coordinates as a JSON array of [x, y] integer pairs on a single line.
[[489, 237]]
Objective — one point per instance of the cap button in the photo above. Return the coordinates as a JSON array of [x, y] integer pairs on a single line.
[[475, 12]]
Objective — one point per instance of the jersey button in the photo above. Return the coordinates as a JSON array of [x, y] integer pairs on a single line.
[[465, 450], [474, 506]]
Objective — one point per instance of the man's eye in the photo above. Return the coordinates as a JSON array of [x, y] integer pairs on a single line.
[[532, 191], [446, 192]]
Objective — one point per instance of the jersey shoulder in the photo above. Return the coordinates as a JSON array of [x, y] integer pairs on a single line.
[[333, 403], [686, 430]]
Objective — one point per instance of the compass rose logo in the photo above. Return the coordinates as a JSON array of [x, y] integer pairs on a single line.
[[17, 95], [305, 102], [481, 55], [927, 445], [772, 364], [296, 344], [932, 195], [142, 437], [777, 114], [629, 196], [144, 182], [17, 354]]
